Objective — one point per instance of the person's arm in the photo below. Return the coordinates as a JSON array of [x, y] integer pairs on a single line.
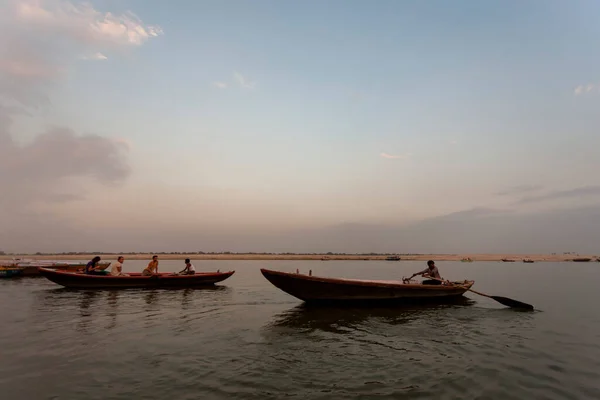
[[419, 273]]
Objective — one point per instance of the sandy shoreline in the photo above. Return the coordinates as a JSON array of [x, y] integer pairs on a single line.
[[413, 257]]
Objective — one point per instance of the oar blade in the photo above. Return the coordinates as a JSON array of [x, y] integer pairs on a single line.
[[512, 303]]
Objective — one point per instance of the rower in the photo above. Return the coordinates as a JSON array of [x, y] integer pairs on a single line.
[[430, 271]]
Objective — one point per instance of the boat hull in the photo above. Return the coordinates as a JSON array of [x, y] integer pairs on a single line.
[[165, 280], [313, 289]]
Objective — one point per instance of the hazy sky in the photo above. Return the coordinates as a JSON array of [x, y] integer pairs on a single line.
[[299, 126]]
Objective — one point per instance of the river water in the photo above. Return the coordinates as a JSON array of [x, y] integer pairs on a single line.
[[245, 339]]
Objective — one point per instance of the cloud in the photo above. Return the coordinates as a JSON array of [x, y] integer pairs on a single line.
[[42, 170], [81, 22], [97, 56], [220, 85], [581, 89], [520, 189], [40, 40], [390, 156], [585, 191], [243, 81]]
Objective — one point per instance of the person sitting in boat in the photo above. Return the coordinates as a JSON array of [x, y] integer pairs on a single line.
[[432, 272], [189, 268], [117, 268], [92, 267], [152, 267]]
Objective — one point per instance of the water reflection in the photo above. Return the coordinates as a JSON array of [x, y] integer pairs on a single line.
[[88, 301], [112, 301], [331, 319], [150, 296]]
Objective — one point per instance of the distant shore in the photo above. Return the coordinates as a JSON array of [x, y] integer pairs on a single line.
[[267, 257]]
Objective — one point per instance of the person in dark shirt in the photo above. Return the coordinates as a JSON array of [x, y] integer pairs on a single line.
[[92, 267]]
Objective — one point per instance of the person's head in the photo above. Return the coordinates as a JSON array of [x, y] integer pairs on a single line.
[[121, 259], [187, 260], [430, 264], [154, 258], [96, 259]]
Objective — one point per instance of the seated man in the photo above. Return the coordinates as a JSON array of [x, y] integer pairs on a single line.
[[430, 271], [117, 268], [189, 268], [152, 267]]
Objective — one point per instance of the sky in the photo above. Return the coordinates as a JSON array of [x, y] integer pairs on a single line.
[[344, 126]]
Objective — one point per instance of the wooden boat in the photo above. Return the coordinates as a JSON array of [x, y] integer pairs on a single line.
[[10, 272], [134, 280], [582, 259], [313, 289], [507, 260], [528, 261], [32, 268]]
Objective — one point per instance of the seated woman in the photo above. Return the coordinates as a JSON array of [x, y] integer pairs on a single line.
[[92, 267], [189, 268]]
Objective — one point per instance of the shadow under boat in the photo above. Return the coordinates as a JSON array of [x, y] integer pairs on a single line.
[[336, 317]]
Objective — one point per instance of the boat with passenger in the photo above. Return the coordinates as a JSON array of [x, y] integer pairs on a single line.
[[77, 280], [311, 289]]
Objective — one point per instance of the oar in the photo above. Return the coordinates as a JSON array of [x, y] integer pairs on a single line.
[[502, 300]]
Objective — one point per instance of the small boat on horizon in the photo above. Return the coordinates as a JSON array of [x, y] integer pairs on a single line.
[[32, 268], [582, 259], [10, 272], [507, 260], [134, 280], [313, 289], [393, 258], [528, 261]]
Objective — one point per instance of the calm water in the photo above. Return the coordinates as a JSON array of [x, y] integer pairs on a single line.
[[246, 339]]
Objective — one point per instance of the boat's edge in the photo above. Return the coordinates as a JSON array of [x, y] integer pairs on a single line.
[[265, 272]]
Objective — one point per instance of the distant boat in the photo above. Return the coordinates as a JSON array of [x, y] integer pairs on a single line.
[[393, 258], [528, 261], [31, 268], [10, 272], [313, 289], [468, 259], [507, 260], [582, 259]]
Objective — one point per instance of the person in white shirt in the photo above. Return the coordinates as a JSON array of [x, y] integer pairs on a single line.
[[117, 268], [189, 268]]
